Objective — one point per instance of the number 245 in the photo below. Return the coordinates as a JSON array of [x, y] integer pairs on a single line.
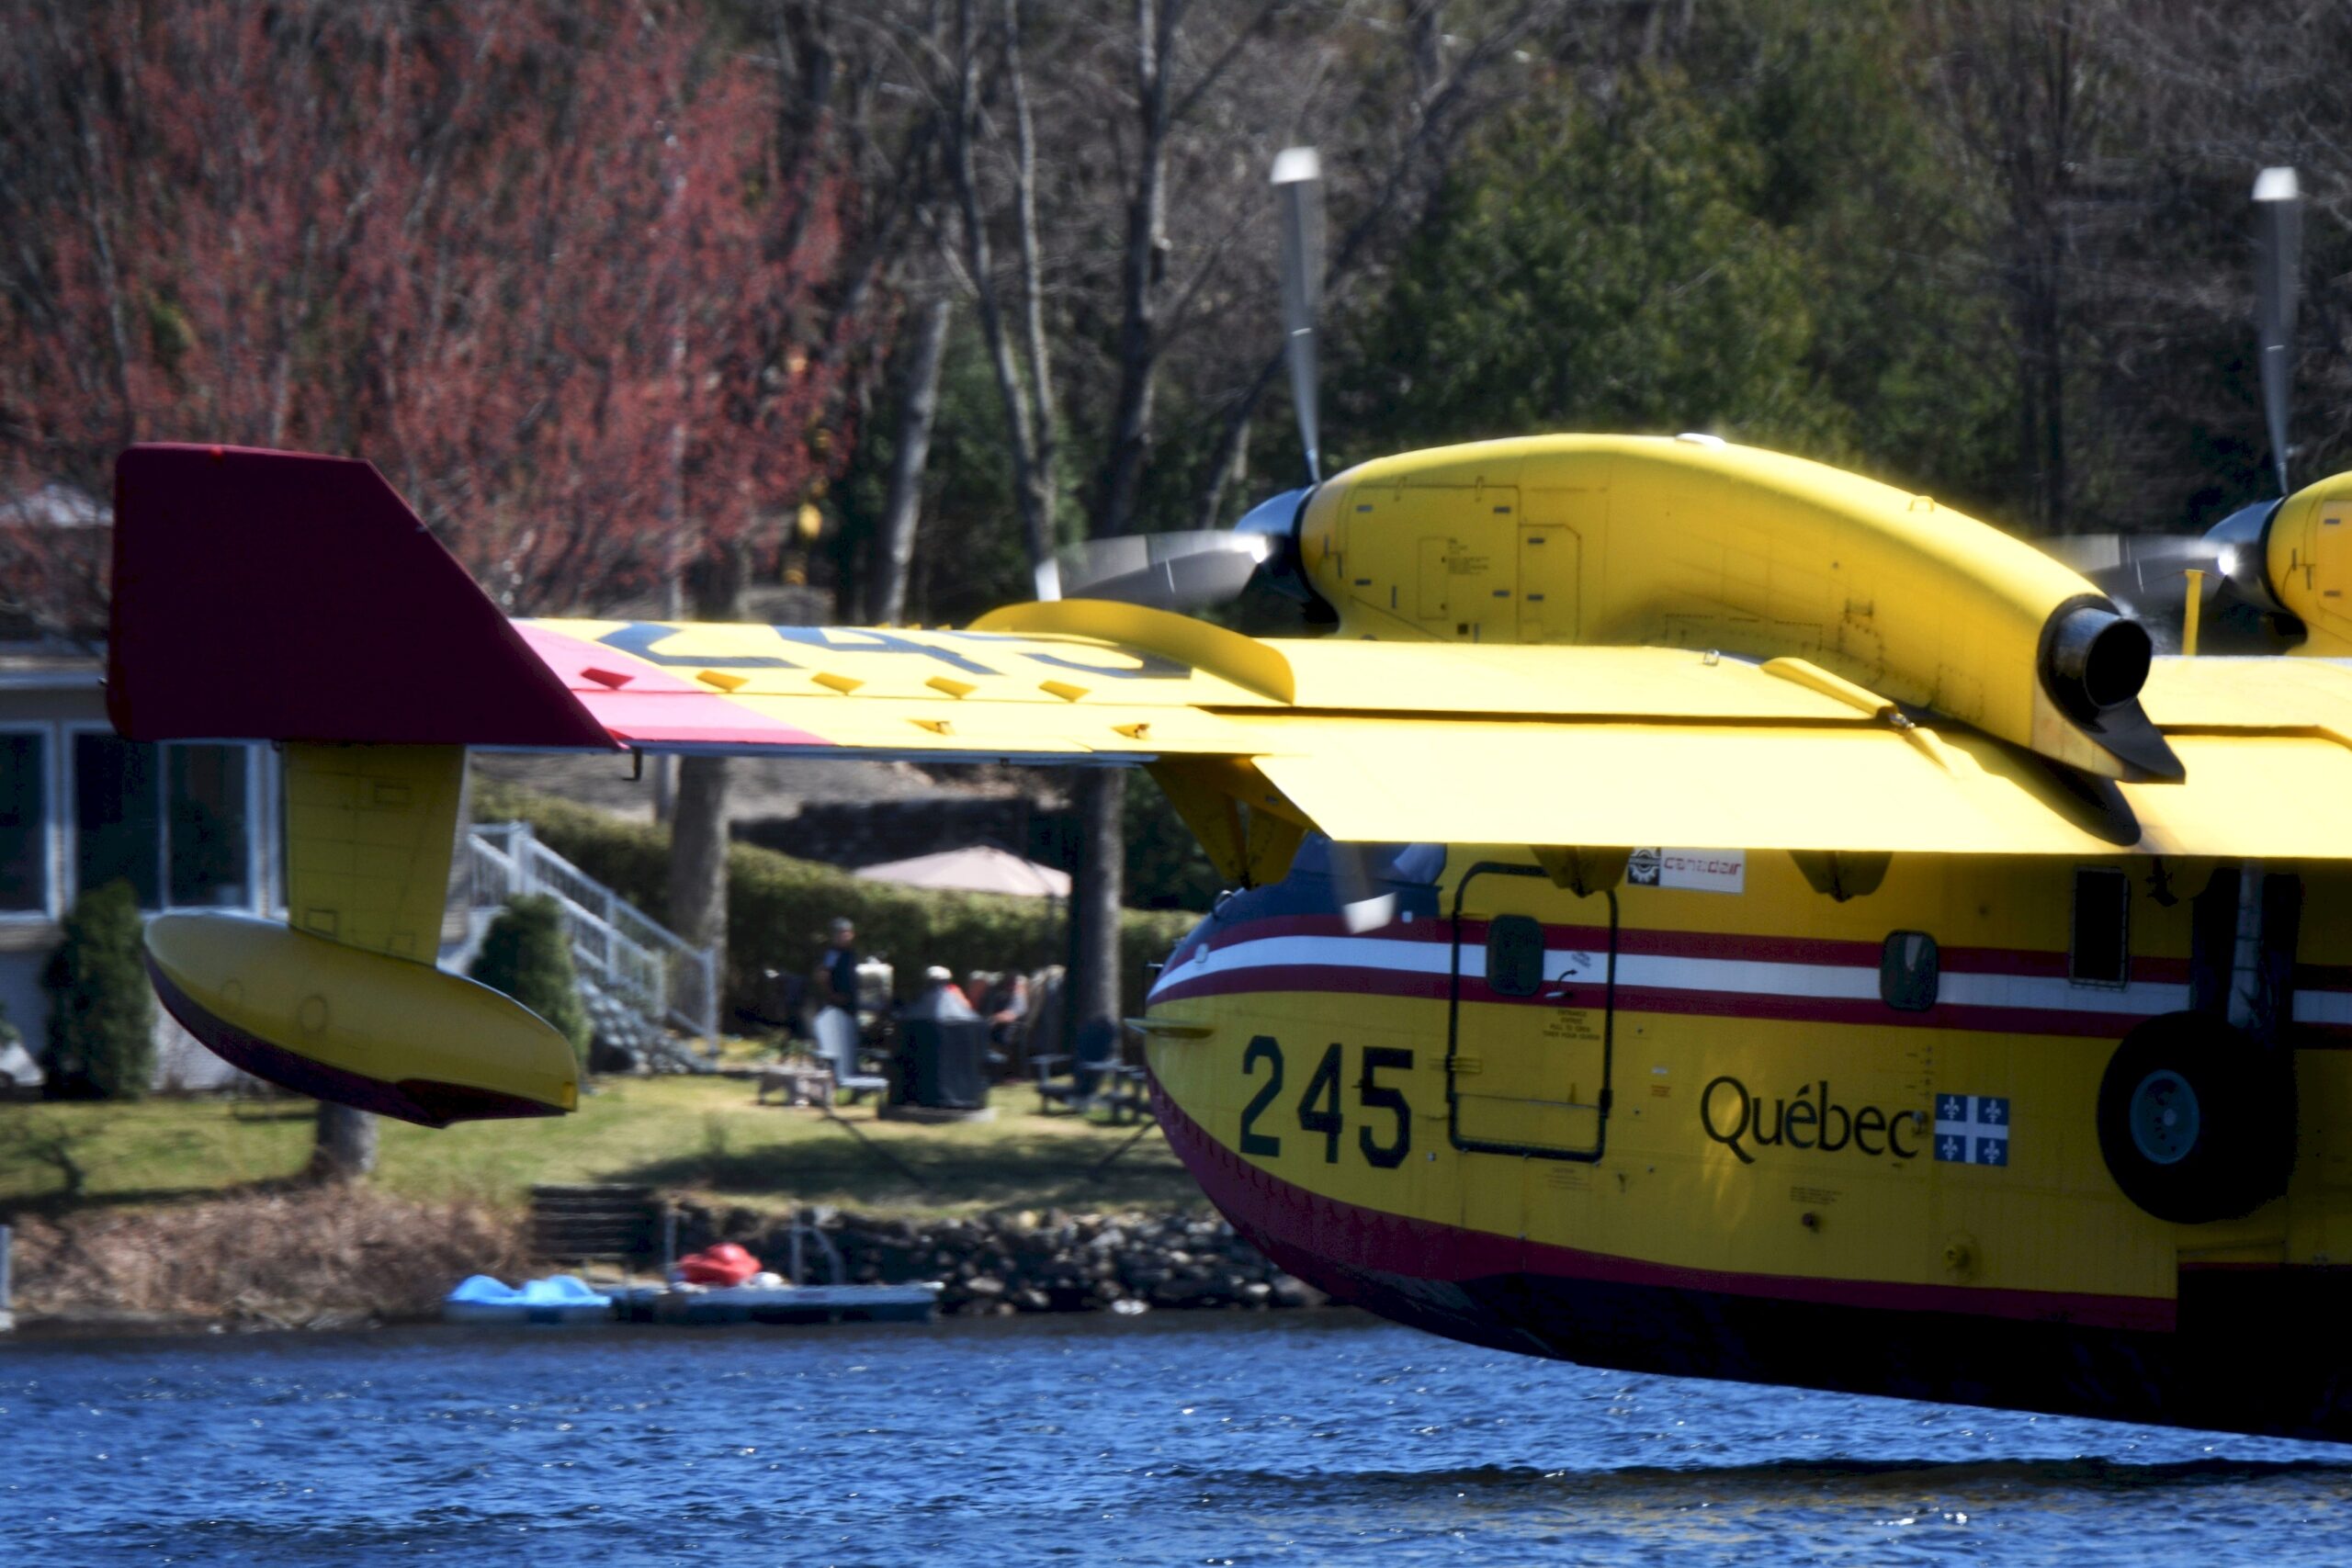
[[1319, 1108]]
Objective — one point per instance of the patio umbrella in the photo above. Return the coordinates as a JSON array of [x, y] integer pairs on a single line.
[[978, 868]]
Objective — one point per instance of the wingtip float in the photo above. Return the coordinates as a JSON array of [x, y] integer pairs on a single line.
[[342, 1024]]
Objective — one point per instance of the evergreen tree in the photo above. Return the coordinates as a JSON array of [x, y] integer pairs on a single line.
[[1597, 267], [528, 955], [101, 1008]]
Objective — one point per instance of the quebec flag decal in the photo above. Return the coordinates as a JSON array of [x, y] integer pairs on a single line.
[[1972, 1129]]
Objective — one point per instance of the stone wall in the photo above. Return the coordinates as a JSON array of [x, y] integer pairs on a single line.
[[1026, 1261]]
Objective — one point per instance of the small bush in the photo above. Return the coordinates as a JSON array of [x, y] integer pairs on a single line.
[[526, 955], [101, 1008]]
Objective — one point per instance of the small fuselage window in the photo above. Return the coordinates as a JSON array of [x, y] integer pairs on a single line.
[[1908, 970], [2101, 953], [1514, 955]]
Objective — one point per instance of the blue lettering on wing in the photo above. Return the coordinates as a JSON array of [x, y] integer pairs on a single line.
[[639, 637], [859, 639], [1147, 666]]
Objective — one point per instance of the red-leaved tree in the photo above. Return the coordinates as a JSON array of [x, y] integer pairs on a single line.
[[545, 262]]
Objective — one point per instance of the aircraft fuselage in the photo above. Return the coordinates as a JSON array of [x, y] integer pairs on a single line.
[[1738, 1128]]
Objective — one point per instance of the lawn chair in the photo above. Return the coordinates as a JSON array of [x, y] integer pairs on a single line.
[[836, 1036], [1097, 1080], [1041, 1031]]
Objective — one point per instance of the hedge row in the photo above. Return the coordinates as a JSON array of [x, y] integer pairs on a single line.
[[778, 908]]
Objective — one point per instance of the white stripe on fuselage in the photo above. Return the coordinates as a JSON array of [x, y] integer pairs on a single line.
[[1719, 976], [2324, 1007]]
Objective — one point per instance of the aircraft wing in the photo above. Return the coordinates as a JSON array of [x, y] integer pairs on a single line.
[[262, 595], [267, 595]]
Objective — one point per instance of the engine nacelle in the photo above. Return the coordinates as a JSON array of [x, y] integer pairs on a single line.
[[2307, 550], [1691, 542]]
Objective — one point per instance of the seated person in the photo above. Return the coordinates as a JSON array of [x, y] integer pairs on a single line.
[[941, 998], [1004, 1000]]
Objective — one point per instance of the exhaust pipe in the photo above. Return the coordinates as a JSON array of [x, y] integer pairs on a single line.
[[2093, 659]]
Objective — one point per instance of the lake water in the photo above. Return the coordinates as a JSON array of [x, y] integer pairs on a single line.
[[1303, 1437]]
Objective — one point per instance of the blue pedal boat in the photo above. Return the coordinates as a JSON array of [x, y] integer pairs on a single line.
[[563, 1299]]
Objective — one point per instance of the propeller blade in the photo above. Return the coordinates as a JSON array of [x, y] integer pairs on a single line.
[[2278, 245], [1298, 187], [1187, 571]]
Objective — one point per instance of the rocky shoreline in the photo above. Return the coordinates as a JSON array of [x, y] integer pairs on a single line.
[[1028, 1261], [348, 1258]]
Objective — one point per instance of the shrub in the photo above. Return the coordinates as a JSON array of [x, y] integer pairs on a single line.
[[778, 908], [101, 1008], [527, 954]]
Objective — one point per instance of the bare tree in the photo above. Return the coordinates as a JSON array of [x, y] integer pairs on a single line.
[[1022, 368], [919, 407], [2028, 98], [1451, 78]]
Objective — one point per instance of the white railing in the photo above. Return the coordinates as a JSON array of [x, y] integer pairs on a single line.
[[618, 946]]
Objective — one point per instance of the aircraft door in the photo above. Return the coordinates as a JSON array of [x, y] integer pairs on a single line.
[[1530, 1021]]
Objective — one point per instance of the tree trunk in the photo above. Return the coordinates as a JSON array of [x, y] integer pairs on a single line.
[[904, 499], [1029, 448], [345, 1149], [1141, 268], [1095, 898], [699, 819], [698, 853]]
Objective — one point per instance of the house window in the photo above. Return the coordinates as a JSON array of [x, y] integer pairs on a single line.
[[2101, 951], [117, 829], [170, 821], [206, 859], [24, 823], [1514, 955]]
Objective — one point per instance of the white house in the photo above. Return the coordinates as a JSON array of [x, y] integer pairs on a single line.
[[187, 824]]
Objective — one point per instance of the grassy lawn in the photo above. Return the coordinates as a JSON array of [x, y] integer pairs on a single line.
[[699, 1136]]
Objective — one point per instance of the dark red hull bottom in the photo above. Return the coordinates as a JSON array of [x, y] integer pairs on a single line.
[[2255, 1351]]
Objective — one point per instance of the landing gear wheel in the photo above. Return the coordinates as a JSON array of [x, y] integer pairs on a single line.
[[2196, 1121]]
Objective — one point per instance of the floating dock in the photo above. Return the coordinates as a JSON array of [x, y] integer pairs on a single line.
[[716, 1305]]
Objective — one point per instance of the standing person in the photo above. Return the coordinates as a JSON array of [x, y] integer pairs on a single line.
[[836, 973]]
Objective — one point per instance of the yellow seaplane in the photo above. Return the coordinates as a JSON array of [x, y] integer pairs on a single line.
[[1697, 910]]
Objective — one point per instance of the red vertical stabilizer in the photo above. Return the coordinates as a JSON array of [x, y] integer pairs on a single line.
[[287, 596]]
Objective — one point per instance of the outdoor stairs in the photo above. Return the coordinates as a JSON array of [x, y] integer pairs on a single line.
[[592, 1222], [640, 980]]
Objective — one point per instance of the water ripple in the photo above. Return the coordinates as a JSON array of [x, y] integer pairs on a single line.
[[1245, 1440]]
